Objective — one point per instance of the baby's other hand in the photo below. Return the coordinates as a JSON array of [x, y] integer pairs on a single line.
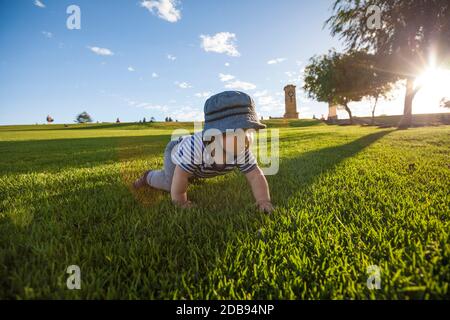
[[265, 206]]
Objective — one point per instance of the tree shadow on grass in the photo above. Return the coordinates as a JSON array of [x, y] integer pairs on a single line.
[[129, 250], [300, 171], [36, 156]]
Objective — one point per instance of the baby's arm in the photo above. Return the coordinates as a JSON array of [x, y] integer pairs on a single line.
[[179, 187], [260, 189]]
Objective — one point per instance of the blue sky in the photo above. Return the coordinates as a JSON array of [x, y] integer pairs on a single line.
[[133, 59]]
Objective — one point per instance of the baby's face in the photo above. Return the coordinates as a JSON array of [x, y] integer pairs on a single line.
[[236, 143]]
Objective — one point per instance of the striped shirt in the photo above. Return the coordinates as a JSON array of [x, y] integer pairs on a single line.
[[191, 155]]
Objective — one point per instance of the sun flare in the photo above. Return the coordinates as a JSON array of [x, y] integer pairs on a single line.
[[434, 85]]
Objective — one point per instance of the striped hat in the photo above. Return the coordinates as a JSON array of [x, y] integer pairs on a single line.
[[231, 110]]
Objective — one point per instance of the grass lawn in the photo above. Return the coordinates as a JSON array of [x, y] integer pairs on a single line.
[[346, 197]]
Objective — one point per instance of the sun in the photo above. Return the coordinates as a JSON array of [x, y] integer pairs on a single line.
[[434, 85]]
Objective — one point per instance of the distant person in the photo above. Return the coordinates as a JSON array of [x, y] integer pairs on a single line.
[[118, 120], [195, 155]]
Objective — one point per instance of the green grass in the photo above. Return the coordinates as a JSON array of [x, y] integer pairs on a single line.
[[346, 197]]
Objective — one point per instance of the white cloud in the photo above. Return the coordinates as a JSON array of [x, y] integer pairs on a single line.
[[290, 74], [164, 9], [203, 94], [222, 42], [171, 57], [47, 34], [101, 51], [266, 100], [260, 93], [227, 64], [276, 60], [156, 107], [183, 85], [39, 4], [225, 77], [150, 106], [240, 85], [267, 104], [295, 77], [131, 69], [155, 75], [187, 113]]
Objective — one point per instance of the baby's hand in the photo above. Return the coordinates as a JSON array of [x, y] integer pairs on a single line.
[[265, 206]]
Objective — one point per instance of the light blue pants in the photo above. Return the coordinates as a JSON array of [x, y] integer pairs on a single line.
[[162, 179]]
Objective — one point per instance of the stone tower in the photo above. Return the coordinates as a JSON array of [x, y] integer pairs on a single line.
[[290, 101]]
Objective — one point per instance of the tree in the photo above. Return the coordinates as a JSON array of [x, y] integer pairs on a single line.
[[343, 78], [49, 119], [445, 103], [372, 82], [351, 77], [379, 90], [83, 117], [410, 34], [318, 77]]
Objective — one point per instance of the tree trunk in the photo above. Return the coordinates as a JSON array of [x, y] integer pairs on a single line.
[[349, 112], [373, 110], [406, 120]]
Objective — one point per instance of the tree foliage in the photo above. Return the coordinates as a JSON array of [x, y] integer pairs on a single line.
[[412, 33], [83, 117], [340, 79], [445, 103]]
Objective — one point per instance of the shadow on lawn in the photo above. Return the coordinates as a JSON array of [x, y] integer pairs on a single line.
[[309, 165], [168, 243], [36, 156]]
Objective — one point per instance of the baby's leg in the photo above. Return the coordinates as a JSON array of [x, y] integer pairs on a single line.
[[162, 179]]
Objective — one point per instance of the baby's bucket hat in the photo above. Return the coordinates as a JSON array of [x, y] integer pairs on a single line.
[[231, 110]]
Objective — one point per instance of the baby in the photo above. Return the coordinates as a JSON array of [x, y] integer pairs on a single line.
[[223, 145]]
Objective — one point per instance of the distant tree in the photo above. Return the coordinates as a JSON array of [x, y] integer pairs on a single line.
[[331, 78], [349, 80], [117, 120], [144, 120], [362, 76], [445, 103], [340, 79], [152, 119], [83, 117], [318, 80], [378, 93], [410, 34], [50, 119]]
